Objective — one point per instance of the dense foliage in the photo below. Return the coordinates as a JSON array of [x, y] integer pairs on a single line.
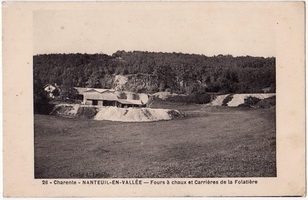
[[39, 98], [195, 97], [177, 72]]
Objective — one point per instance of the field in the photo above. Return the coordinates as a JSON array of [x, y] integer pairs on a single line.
[[209, 142]]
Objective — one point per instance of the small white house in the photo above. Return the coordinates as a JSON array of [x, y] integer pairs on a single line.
[[49, 89]]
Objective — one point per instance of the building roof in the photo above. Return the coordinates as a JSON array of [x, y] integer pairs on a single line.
[[108, 96], [49, 88], [134, 102], [83, 90], [112, 95]]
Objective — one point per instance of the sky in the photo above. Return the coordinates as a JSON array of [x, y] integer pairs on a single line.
[[196, 28]]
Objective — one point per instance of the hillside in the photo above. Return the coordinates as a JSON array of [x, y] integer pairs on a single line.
[[151, 72]]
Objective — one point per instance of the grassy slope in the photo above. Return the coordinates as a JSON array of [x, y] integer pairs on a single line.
[[212, 142]]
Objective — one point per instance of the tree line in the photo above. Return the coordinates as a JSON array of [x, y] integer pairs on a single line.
[[175, 72]]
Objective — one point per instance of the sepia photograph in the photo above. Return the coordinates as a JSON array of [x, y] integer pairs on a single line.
[[154, 99], [105, 107]]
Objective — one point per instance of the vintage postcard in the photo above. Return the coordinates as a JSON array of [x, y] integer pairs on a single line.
[[154, 99]]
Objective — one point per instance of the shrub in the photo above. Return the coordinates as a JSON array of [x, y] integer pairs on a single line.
[[175, 114], [43, 107], [201, 98], [249, 102], [87, 112], [197, 97], [40, 101], [267, 103], [227, 100], [61, 110], [68, 93]]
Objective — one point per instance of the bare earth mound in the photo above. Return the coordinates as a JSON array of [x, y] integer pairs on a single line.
[[115, 113], [135, 114], [237, 99]]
